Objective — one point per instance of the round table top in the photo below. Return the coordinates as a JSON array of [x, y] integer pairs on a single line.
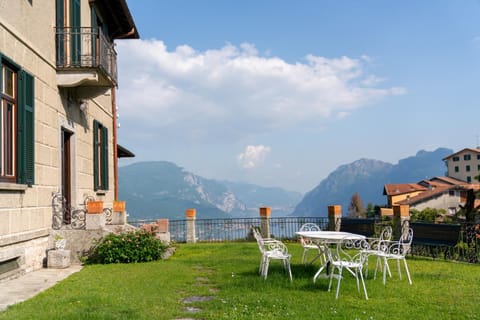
[[330, 235]]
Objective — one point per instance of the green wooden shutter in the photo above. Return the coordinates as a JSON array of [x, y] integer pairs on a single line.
[[26, 129], [104, 158], [60, 24], [75, 23], [96, 185]]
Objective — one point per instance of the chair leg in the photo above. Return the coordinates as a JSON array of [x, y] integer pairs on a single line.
[[340, 270], [265, 268], [363, 283], [399, 271], [408, 272], [385, 264], [289, 270]]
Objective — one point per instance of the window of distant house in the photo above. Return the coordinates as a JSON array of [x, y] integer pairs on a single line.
[[478, 156], [469, 179], [467, 157], [478, 167], [456, 168], [100, 156], [467, 168], [451, 193], [456, 158], [16, 124]]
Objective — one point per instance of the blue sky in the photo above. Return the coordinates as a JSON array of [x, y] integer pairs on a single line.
[[281, 93]]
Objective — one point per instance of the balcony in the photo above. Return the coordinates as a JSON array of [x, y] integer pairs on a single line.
[[85, 58]]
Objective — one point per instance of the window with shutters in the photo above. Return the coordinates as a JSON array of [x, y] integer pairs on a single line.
[[16, 124], [100, 156]]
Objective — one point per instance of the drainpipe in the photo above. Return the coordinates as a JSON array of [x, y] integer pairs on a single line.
[[115, 155]]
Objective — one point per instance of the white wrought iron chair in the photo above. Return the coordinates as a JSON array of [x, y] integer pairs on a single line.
[[308, 244], [272, 249], [347, 255], [395, 250], [375, 246]]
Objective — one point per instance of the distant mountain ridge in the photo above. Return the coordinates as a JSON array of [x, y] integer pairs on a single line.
[[367, 177], [161, 189]]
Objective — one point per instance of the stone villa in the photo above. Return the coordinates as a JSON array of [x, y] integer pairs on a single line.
[[58, 155]]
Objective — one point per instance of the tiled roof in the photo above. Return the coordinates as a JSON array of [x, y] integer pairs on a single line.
[[427, 194], [449, 180], [397, 189]]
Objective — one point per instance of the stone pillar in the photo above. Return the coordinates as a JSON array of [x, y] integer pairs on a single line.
[[401, 220], [334, 217], [58, 259], [191, 215], [265, 222], [162, 230], [119, 214], [95, 221]]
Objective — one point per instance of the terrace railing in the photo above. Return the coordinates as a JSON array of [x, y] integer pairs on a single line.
[[87, 48], [458, 241]]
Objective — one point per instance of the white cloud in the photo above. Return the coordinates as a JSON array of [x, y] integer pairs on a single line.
[[233, 91], [253, 156]]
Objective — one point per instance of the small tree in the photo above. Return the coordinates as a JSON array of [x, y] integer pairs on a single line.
[[356, 208], [469, 210]]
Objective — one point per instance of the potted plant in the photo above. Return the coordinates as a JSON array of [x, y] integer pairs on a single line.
[[59, 242]]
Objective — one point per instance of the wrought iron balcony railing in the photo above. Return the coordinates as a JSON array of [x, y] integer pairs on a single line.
[[82, 48]]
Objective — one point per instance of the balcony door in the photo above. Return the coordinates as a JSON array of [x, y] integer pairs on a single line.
[[69, 32]]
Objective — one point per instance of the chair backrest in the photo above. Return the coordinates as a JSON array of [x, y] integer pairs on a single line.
[[406, 241], [310, 227], [348, 249], [386, 233]]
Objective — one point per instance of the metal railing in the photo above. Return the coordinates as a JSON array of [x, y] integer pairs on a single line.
[[83, 47], [467, 248], [232, 229]]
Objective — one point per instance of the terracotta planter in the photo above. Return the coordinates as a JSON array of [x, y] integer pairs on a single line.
[[119, 206], [191, 213], [265, 212], [95, 207]]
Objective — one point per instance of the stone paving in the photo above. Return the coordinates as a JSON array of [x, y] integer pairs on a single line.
[[27, 286]]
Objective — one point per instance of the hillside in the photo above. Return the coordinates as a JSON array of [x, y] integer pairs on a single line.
[[367, 177], [162, 189]]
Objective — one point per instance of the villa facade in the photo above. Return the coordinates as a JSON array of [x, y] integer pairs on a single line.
[[58, 78]]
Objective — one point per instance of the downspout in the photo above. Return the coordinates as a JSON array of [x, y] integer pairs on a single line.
[[115, 155]]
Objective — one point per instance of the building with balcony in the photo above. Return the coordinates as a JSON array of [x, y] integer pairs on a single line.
[[58, 80]]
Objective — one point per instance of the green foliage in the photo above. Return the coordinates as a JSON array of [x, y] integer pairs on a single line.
[[134, 246], [427, 214], [229, 273]]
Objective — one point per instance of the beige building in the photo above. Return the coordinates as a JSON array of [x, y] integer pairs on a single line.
[[449, 193], [464, 165], [58, 77]]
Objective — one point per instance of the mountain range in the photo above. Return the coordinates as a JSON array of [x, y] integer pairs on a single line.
[[161, 189], [368, 177]]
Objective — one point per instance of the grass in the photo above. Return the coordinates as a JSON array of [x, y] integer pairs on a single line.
[[227, 272]]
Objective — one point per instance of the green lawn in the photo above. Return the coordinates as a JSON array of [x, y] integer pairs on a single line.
[[227, 272]]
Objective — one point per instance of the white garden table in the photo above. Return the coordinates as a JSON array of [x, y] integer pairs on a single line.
[[325, 238]]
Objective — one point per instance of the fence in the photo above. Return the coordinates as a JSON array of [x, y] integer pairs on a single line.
[[450, 241]]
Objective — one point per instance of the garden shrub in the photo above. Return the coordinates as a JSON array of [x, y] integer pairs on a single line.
[[133, 246]]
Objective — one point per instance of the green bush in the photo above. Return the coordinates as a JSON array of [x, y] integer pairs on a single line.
[[134, 246]]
